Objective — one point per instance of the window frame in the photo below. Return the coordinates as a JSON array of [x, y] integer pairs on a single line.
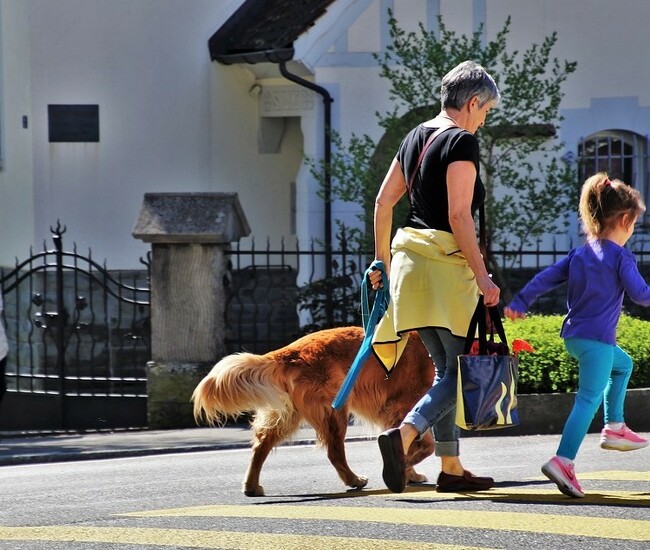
[[632, 156]]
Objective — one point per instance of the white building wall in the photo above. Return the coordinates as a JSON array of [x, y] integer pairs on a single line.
[[172, 120], [608, 90], [239, 161], [607, 39], [16, 181], [147, 66]]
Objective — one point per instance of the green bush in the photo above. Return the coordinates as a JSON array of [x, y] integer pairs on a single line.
[[634, 338], [551, 369]]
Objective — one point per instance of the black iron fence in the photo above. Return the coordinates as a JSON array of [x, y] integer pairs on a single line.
[[542, 254], [519, 266], [80, 340], [279, 293], [276, 294], [80, 335]]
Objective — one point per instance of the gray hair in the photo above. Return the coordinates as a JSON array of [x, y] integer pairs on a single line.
[[465, 81]]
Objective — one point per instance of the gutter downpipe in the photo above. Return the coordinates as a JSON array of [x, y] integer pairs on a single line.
[[327, 185]]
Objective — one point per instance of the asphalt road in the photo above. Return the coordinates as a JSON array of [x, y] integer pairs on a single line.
[[193, 500]]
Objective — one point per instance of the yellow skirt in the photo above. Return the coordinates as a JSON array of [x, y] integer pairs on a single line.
[[431, 285]]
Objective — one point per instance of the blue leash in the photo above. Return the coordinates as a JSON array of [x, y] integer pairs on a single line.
[[369, 320]]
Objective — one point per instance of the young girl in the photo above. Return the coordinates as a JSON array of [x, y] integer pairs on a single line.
[[598, 274]]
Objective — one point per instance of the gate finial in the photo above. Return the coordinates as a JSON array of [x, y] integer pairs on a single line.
[[59, 230]]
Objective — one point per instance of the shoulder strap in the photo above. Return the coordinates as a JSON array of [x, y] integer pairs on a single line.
[[482, 237], [409, 184]]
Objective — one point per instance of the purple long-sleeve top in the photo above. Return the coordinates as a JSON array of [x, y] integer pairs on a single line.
[[598, 274]]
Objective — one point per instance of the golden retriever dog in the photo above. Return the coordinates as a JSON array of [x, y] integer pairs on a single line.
[[297, 383]]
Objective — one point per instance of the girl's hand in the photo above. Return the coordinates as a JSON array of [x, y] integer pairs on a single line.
[[512, 314]]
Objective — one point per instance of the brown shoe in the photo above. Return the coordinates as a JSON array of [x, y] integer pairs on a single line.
[[392, 452], [468, 482]]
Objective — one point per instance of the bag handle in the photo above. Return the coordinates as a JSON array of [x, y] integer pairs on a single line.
[[427, 144], [478, 319]]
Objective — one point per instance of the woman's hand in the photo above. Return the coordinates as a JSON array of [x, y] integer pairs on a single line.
[[491, 292], [374, 278], [513, 314]]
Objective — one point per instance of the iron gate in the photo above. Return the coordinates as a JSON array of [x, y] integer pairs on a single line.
[[79, 339], [269, 289]]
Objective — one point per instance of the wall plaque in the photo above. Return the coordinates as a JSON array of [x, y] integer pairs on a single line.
[[286, 101], [73, 123]]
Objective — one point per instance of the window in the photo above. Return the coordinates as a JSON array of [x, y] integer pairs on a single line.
[[622, 154]]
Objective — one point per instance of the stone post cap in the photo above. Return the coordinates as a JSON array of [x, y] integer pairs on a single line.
[[191, 218]]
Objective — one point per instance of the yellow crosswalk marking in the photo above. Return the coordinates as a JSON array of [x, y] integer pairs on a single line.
[[607, 528], [612, 475], [552, 524], [612, 498], [225, 540], [616, 475]]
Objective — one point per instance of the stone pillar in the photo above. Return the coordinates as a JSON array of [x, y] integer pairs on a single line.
[[189, 233]]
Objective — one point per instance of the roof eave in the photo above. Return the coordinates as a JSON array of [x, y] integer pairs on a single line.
[[277, 55]]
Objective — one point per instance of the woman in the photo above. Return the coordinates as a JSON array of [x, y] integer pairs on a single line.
[[437, 271]]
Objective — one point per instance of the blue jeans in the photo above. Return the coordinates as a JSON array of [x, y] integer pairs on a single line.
[[604, 372], [437, 407]]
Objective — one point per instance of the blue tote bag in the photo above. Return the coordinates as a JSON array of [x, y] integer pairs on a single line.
[[487, 381]]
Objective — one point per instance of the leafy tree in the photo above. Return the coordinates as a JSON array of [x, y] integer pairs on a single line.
[[529, 192]]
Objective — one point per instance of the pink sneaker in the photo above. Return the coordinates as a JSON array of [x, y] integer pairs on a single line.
[[621, 440], [563, 476]]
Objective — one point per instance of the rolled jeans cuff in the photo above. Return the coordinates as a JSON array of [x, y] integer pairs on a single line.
[[447, 448], [421, 424]]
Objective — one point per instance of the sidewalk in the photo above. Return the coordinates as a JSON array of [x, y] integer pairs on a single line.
[[540, 414], [26, 449]]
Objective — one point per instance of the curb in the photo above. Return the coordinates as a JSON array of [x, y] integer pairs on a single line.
[[546, 413], [540, 414], [57, 455]]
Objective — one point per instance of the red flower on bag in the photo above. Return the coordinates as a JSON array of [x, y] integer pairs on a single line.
[[493, 348], [518, 346], [521, 345], [474, 349]]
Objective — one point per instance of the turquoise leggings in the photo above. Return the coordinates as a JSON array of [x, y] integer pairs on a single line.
[[604, 371]]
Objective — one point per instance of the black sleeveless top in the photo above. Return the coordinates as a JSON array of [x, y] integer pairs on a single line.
[[429, 201]]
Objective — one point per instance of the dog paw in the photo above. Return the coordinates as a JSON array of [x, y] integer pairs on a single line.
[[360, 482], [414, 477], [257, 491]]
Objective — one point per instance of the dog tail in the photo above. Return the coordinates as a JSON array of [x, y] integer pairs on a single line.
[[239, 383]]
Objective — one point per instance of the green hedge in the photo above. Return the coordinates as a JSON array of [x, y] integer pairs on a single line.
[[552, 369]]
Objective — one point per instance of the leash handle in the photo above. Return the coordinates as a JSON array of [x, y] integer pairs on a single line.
[[370, 320], [382, 297]]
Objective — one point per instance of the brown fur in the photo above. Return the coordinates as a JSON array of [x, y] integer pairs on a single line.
[[297, 384]]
